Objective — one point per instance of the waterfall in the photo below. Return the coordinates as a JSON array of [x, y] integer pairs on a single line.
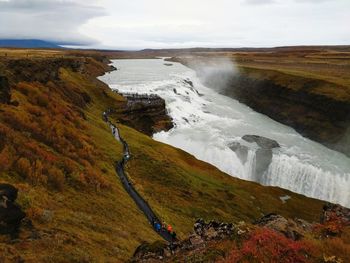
[[211, 126], [290, 173]]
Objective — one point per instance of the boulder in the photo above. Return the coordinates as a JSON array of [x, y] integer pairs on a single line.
[[212, 230], [9, 191], [11, 214], [5, 92], [333, 211], [262, 142], [189, 82]]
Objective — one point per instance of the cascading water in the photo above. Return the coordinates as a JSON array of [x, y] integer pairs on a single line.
[[207, 124]]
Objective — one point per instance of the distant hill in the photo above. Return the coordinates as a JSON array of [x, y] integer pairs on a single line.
[[27, 43], [339, 48]]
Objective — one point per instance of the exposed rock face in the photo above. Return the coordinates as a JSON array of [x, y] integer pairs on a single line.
[[145, 113], [294, 229], [11, 214], [5, 94], [240, 150], [263, 153]]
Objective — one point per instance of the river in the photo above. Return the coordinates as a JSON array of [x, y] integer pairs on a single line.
[[206, 124]]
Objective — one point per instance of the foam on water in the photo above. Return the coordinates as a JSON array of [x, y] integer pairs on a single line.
[[206, 123]]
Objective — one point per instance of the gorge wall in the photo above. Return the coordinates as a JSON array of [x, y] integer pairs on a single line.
[[294, 101]]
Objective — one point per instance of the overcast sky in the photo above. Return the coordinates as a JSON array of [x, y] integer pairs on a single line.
[[136, 24]]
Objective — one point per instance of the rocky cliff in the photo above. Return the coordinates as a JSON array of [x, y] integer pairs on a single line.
[[145, 113], [293, 100], [305, 90]]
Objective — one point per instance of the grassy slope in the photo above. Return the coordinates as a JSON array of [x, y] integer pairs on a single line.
[[105, 225], [87, 224], [182, 188]]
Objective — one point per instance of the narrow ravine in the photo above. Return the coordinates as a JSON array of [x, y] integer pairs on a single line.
[[128, 186]]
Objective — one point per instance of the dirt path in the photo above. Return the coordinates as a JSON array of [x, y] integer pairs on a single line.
[[140, 202]]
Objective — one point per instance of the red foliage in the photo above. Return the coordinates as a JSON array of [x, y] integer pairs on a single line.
[[266, 245], [24, 167], [334, 225]]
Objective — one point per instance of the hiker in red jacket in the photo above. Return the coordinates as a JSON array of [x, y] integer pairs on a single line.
[[170, 228]]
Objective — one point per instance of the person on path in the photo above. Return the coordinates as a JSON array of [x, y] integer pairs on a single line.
[[173, 235], [170, 229], [158, 227], [105, 118]]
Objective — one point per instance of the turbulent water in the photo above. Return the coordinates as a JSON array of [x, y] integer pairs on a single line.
[[207, 123]]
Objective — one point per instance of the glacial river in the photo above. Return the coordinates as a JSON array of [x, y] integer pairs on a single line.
[[207, 123]]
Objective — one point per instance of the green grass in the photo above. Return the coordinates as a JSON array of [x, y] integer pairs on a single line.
[[181, 188]]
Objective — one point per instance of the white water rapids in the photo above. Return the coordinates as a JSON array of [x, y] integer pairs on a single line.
[[206, 123]]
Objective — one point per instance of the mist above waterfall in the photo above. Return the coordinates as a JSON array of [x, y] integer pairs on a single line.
[[215, 73], [343, 145]]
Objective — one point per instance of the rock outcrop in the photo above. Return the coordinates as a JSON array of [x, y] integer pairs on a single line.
[[5, 94], [145, 113], [262, 142], [263, 152], [203, 235], [332, 210], [240, 150], [263, 155], [293, 229], [11, 214]]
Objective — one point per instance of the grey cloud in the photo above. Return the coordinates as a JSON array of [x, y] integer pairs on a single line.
[[181, 23], [259, 2], [312, 1], [54, 20]]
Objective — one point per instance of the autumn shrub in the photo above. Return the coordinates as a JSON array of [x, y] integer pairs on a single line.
[[24, 167], [56, 178], [33, 110], [42, 100], [5, 158], [334, 226], [37, 176], [45, 139], [95, 179], [266, 245]]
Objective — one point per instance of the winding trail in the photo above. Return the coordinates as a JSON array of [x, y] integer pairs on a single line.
[[140, 202]]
